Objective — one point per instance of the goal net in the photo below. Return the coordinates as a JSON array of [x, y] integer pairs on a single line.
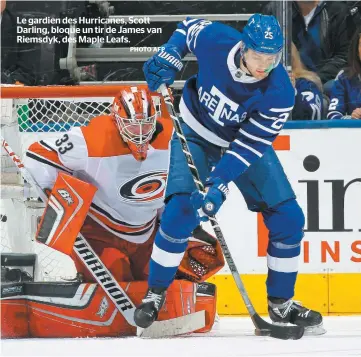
[[29, 114]]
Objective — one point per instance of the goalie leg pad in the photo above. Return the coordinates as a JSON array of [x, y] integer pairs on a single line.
[[207, 300], [14, 317], [61, 310]]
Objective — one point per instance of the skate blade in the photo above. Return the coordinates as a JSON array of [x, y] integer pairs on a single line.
[[173, 327], [316, 330]]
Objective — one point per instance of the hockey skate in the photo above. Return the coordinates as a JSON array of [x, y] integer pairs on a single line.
[[283, 311], [147, 311]]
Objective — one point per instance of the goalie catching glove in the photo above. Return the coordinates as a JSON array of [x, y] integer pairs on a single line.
[[203, 257]]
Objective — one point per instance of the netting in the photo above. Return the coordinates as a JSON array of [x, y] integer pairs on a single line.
[[48, 115], [28, 115]]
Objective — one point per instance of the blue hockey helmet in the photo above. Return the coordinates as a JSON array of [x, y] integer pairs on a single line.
[[263, 34]]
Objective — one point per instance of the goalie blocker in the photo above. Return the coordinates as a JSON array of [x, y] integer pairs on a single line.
[[83, 309]]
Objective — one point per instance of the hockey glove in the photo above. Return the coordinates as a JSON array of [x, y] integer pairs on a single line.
[[162, 67], [207, 204]]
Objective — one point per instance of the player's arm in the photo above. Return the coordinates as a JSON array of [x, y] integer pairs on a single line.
[[192, 35], [256, 134], [65, 153], [337, 107]]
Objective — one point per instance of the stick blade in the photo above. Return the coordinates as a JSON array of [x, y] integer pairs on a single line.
[[263, 328], [173, 327]]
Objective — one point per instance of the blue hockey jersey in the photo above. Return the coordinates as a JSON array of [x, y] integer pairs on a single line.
[[309, 101], [225, 105], [345, 96]]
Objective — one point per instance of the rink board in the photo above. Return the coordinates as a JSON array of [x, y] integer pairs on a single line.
[[327, 293], [319, 159]]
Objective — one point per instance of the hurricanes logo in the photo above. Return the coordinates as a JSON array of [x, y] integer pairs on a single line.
[[145, 187]]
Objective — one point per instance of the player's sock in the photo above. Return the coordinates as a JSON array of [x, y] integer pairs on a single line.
[[283, 311], [285, 224], [178, 222], [147, 311], [166, 256]]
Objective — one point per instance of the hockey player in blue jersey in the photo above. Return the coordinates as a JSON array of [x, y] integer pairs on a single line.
[[346, 91], [231, 110]]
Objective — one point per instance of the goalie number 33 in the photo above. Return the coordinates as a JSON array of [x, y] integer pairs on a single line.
[[63, 144]]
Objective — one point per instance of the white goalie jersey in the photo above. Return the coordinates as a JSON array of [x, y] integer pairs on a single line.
[[130, 192]]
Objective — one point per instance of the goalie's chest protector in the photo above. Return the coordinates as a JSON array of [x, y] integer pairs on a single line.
[[129, 192]]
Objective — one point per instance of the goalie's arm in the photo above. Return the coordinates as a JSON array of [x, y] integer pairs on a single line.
[[46, 158]]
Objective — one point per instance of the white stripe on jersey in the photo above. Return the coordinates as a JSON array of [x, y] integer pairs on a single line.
[[239, 157], [332, 113], [280, 110], [187, 22], [137, 239], [255, 138], [248, 147], [267, 117], [191, 37], [181, 31], [108, 217], [256, 123]]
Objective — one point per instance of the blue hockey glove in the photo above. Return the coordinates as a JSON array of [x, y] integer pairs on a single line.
[[162, 67], [208, 204]]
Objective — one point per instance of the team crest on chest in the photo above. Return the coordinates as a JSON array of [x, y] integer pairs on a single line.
[[145, 187]]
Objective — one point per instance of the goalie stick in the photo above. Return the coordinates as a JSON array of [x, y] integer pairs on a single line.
[[263, 328], [105, 279]]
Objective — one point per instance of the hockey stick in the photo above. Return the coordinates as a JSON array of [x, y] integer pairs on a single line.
[[105, 279], [263, 328]]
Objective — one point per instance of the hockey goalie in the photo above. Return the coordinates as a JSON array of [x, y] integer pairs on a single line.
[[105, 184]]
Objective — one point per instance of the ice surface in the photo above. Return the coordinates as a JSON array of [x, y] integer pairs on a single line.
[[234, 338]]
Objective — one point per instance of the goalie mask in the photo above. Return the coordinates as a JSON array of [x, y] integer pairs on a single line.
[[136, 112]]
